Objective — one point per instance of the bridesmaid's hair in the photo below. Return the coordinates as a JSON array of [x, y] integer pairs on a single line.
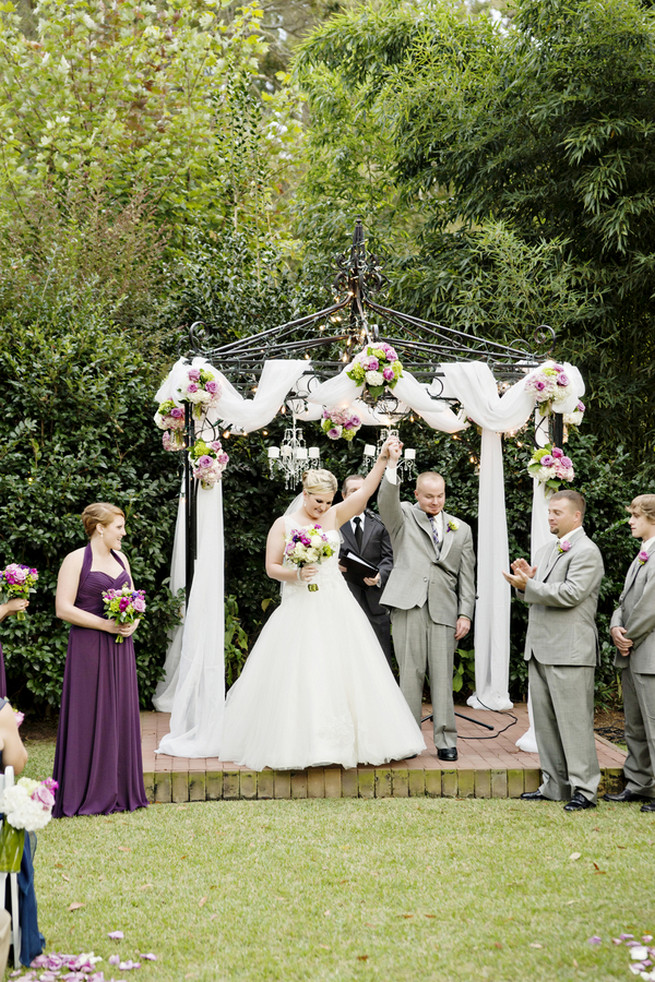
[[100, 513], [319, 482]]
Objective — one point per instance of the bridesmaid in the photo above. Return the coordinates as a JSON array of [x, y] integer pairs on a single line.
[[98, 761]]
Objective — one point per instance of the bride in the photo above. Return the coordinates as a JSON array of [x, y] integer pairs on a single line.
[[316, 688]]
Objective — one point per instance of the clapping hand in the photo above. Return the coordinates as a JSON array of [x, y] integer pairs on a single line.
[[521, 573]]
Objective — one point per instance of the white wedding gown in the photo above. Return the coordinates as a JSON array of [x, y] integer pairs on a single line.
[[316, 688]]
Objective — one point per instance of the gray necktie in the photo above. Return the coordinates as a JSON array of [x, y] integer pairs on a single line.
[[435, 535]]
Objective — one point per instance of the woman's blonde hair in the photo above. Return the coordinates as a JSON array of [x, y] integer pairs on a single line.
[[319, 482], [100, 513]]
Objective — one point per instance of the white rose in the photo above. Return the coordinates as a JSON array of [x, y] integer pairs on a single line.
[[375, 378]]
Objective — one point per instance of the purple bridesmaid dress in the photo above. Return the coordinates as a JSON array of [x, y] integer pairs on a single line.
[[98, 761]]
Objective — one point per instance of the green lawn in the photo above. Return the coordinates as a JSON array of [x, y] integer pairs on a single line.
[[339, 889]]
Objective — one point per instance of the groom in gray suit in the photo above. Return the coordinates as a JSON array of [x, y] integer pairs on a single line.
[[633, 632], [431, 593], [561, 648]]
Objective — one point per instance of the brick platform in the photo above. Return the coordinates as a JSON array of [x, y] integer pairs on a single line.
[[492, 768]]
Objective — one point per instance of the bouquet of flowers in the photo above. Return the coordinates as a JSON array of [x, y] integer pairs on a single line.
[[575, 418], [551, 386], [306, 546], [551, 466], [201, 389], [27, 807], [208, 461], [18, 581], [170, 418], [375, 368], [125, 606], [340, 422]]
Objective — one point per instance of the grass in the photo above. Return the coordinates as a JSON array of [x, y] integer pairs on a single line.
[[414, 889]]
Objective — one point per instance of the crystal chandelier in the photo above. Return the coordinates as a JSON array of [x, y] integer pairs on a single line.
[[406, 466], [292, 458]]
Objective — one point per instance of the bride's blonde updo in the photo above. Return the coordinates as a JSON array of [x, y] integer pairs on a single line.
[[319, 482], [99, 513]]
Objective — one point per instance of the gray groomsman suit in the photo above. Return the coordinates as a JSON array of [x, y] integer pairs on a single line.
[[561, 648], [426, 595], [636, 613]]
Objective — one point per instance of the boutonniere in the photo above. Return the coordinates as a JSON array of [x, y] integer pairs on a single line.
[[452, 525], [642, 557], [563, 546]]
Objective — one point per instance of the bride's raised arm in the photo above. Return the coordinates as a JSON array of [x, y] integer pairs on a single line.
[[355, 503]]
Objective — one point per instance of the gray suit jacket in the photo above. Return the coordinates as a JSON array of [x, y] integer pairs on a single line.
[[447, 583], [636, 613], [563, 596]]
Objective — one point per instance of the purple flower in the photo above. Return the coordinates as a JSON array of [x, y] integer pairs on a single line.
[[562, 379], [372, 364], [580, 407], [194, 374], [139, 605], [192, 387], [388, 374], [566, 462], [212, 387], [539, 384], [642, 557], [564, 546], [334, 433], [556, 452], [547, 460], [204, 461], [44, 796], [176, 412]]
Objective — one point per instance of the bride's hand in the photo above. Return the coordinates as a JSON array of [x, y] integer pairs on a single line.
[[307, 573]]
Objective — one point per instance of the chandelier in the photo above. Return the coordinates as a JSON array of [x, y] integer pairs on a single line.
[[292, 458], [406, 466]]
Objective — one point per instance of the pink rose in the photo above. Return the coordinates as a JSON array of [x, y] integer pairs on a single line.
[[194, 374], [556, 452]]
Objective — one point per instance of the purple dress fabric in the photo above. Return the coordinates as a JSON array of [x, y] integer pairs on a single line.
[[98, 761], [3, 677]]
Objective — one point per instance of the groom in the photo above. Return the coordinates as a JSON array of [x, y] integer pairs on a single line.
[[431, 593]]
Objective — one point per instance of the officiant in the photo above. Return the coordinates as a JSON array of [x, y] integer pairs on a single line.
[[365, 538]]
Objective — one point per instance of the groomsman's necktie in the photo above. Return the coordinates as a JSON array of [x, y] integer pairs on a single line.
[[435, 535], [358, 531]]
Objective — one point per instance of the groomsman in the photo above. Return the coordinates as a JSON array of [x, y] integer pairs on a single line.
[[366, 537], [633, 632], [561, 648], [431, 593]]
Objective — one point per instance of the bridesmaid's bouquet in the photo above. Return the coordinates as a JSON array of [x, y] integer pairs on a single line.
[[27, 807], [18, 581], [125, 606], [306, 546]]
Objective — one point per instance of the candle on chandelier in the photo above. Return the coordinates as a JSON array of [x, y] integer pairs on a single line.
[[301, 453], [369, 450], [410, 454], [273, 453], [314, 453]]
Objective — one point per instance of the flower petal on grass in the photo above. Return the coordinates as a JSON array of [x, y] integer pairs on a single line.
[[594, 940], [116, 935], [149, 957]]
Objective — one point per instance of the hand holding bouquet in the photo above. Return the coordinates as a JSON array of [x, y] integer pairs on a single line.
[[125, 606], [27, 807], [306, 546], [18, 581]]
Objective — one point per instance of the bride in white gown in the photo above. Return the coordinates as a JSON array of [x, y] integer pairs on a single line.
[[316, 688]]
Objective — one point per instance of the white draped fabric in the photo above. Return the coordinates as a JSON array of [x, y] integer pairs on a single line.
[[166, 688], [198, 694], [197, 708]]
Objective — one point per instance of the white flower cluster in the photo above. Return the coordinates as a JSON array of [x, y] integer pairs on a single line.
[[21, 810]]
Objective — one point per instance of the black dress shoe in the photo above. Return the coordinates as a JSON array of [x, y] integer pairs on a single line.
[[648, 807], [534, 796], [578, 802], [626, 795], [447, 753]]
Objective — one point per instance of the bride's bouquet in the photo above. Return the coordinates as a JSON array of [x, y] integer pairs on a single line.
[[306, 546], [124, 606]]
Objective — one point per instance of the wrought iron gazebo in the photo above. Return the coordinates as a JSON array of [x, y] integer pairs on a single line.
[[328, 338]]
